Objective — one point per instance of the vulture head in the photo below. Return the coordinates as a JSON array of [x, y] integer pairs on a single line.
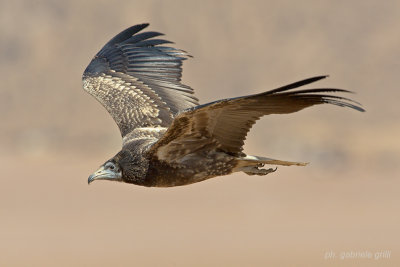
[[124, 167]]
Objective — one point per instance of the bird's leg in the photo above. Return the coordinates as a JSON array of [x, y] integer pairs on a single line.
[[254, 170]]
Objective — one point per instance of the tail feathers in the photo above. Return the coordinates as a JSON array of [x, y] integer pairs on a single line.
[[255, 160]]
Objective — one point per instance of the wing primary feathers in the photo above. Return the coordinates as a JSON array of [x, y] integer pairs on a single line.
[[305, 93], [174, 52], [330, 99], [141, 37], [319, 90], [283, 91], [126, 34], [153, 42], [297, 84], [339, 97]]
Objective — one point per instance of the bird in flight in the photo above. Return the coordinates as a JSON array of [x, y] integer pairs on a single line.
[[168, 139]]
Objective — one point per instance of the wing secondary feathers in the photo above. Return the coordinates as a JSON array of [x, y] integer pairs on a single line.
[[138, 80], [225, 123]]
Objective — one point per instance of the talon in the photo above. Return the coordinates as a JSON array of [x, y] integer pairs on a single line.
[[253, 170], [270, 170]]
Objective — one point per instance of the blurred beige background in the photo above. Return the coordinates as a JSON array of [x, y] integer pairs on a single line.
[[53, 135]]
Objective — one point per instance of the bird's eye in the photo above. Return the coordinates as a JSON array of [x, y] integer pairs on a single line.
[[110, 166]]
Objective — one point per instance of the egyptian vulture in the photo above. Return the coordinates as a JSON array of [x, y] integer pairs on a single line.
[[168, 139]]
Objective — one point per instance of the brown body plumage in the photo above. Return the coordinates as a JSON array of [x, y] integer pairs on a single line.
[[168, 138]]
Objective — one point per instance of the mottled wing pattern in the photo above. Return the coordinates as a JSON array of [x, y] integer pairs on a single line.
[[224, 124], [138, 81]]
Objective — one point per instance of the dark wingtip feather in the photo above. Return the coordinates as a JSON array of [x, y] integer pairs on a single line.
[[297, 84], [337, 100], [126, 34], [318, 90], [310, 93], [313, 94], [186, 53], [141, 37]]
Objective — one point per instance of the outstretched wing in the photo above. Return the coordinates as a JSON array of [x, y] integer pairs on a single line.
[[224, 124], [138, 80]]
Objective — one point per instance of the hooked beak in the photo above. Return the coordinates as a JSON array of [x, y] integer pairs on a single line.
[[103, 174]]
